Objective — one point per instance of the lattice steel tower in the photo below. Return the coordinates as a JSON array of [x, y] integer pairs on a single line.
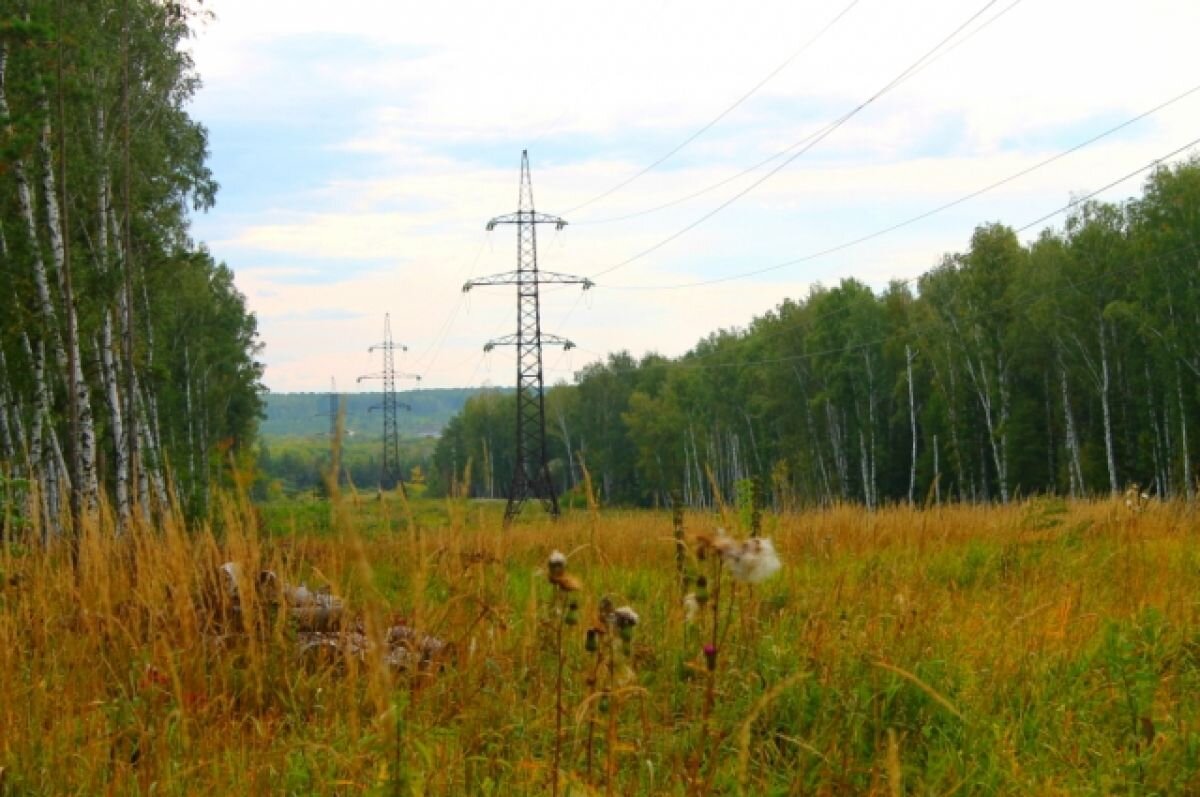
[[332, 412], [389, 470], [531, 473]]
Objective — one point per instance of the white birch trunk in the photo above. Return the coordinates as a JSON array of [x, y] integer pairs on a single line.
[[993, 416], [562, 422], [866, 472], [109, 361], [872, 483], [1106, 407], [153, 470], [816, 443], [937, 473], [1074, 468], [841, 466], [1188, 486], [69, 361], [7, 450], [912, 421]]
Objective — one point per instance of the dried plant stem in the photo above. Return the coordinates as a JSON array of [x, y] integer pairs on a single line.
[[558, 693], [591, 734]]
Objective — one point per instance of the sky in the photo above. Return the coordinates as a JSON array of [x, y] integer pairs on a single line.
[[362, 146]]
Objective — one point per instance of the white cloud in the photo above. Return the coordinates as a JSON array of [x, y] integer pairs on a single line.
[[432, 103]]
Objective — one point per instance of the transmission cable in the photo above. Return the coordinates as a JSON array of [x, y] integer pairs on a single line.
[[748, 170], [825, 132], [1074, 203], [719, 116], [913, 219]]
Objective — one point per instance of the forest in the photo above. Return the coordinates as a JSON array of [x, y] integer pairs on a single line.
[[423, 412], [1065, 366], [128, 372]]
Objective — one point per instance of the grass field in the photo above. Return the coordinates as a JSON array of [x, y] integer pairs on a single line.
[[1040, 648]]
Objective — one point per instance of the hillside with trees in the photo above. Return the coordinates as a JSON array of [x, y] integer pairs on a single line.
[[303, 414], [1066, 366], [127, 356]]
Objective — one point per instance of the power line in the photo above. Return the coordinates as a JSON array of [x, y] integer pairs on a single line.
[[748, 170], [920, 216], [1065, 208], [828, 130], [1080, 200], [708, 126], [443, 332]]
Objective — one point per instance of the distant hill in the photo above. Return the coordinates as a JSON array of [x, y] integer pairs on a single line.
[[301, 414]]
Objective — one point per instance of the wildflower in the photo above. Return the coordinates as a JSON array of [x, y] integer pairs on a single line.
[[710, 657], [572, 615], [592, 644], [701, 591], [626, 618], [556, 566]]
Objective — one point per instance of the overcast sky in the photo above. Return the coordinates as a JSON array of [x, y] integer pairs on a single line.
[[361, 147]]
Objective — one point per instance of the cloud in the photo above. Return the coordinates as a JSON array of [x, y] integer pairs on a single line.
[[362, 151]]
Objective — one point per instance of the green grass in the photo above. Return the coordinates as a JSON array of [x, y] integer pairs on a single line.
[[1035, 649]]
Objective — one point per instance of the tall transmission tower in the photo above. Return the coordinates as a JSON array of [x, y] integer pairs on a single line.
[[531, 473], [389, 470]]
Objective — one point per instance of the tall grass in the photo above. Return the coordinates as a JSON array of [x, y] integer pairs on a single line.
[[1040, 648]]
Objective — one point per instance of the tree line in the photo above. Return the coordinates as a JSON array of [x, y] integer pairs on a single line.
[[1065, 366], [127, 370]]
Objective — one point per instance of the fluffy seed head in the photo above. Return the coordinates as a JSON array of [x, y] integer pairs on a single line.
[[626, 617], [556, 564], [753, 560]]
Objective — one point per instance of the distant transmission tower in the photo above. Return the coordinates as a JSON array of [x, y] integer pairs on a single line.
[[531, 473], [389, 470], [332, 413]]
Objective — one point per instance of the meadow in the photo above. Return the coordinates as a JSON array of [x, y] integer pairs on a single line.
[[1044, 647]]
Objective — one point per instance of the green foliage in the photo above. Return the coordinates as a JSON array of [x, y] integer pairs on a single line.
[[98, 98], [300, 414], [1066, 366]]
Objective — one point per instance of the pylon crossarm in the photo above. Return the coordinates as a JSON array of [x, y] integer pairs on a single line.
[[545, 277], [555, 340], [507, 340], [528, 278], [527, 217], [513, 340]]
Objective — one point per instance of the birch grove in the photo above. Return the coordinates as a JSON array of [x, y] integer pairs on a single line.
[[100, 170], [1068, 364]]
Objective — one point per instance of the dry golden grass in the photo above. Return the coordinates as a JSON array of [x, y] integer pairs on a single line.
[[1039, 648]]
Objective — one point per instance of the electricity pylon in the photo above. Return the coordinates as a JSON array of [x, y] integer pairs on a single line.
[[531, 473], [389, 470], [334, 443], [332, 412]]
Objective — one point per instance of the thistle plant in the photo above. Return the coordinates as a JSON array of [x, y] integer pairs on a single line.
[[748, 561], [613, 625], [565, 615]]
